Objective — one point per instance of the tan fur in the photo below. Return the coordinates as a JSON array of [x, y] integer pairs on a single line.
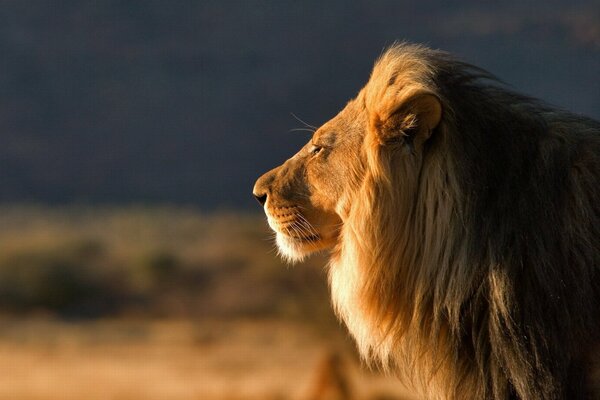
[[463, 223]]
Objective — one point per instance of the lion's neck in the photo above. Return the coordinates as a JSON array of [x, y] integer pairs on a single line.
[[387, 275]]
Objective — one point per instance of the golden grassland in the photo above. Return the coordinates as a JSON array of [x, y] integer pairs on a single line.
[[166, 303], [178, 359]]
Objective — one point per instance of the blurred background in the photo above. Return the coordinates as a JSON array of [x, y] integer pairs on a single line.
[[134, 262]]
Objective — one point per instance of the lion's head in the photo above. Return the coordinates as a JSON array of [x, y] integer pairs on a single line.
[[308, 197], [304, 197], [463, 226]]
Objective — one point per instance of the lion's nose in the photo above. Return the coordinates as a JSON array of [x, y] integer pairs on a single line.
[[261, 197], [263, 186]]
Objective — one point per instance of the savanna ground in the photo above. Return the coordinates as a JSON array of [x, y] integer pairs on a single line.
[[166, 303]]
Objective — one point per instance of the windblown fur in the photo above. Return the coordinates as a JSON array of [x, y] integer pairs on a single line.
[[467, 257]]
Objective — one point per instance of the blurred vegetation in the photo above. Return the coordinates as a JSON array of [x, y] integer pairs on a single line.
[[155, 302], [150, 261]]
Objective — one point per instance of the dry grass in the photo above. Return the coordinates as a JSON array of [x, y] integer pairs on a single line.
[[243, 359]]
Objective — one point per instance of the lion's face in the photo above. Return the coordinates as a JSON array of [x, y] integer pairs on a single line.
[[305, 198], [308, 198]]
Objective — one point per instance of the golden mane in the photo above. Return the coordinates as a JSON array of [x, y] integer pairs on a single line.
[[412, 271]]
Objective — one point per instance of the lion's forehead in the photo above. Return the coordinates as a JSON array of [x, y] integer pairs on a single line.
[[348, 123], [326, 136]]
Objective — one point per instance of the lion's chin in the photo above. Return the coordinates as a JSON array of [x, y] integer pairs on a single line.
[[295, 249]]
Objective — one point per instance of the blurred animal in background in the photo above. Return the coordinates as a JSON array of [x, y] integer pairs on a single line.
[[331, 380], [463, 221]]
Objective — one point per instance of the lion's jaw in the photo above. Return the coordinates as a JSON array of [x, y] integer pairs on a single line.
[[296, 236]]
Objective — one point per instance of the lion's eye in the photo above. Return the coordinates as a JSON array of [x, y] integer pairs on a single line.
[[314, 150]]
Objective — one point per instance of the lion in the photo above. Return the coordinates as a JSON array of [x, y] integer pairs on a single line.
[[463, 225]]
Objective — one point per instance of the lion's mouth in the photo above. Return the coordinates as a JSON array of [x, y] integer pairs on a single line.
[[303, 239], [296, 236], [298, 233], [294, 227]]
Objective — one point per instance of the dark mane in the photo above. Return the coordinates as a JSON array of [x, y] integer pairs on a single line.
[[497, 289], [530, 180]]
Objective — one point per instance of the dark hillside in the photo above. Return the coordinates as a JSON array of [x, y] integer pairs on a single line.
[[187, 101]]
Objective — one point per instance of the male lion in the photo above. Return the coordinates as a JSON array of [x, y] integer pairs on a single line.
[[463, 221]]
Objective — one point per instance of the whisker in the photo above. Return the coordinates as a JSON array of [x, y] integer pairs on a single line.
[[309, 226], [302, 130], [305, 124], [298, 230], [303, 222], [290, 230], [308, 232], [302, 234], [311, 234]]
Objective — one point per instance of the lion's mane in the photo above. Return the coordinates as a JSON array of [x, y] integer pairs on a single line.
[[474, 271]]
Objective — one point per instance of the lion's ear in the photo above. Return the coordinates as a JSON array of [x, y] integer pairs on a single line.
[[411, 118]]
